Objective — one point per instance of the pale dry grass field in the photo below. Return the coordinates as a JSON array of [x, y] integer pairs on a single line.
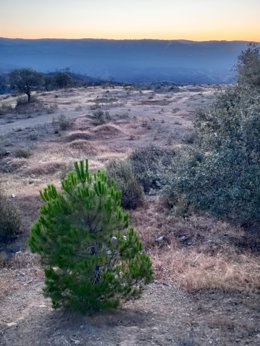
[[189, 255]]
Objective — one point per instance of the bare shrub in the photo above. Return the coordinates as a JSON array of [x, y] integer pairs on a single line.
[[23, 152], [5, 108], [63, 122], [21, 101], [100, 117]]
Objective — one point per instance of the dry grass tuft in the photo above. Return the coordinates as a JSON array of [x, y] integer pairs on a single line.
[[24, 260], [78, 135], [107, 131], [7, 284], [84, 146], [194, 271], [11, 165], [46, 168], [198, 252]]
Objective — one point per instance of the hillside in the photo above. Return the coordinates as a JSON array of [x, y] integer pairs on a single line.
[[127, 60], [206, 275]]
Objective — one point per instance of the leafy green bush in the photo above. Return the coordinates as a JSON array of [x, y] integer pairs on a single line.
[[150, 164], [92, 260], [222, 174], [132, 192], [9, 219]]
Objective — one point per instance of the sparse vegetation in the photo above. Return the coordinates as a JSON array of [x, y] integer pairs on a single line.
[[63, 122], [23, 152], [100, 117], [92, 260], [5, 108], [132, 191], [10, 223]]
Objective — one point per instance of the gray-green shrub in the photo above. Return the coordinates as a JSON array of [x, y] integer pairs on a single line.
[[222, 174], [132, 191], [150, 164]]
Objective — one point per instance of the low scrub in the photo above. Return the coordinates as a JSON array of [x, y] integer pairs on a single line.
[[100, 117], [23, 152], [9, 219], [150, 164], [132, 191], [5, 109], [63, 123]]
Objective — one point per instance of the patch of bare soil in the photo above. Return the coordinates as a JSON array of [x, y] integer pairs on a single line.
[[165, 315], [207, 282]]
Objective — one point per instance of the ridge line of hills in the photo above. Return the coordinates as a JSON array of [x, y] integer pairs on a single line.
[[133, 61]]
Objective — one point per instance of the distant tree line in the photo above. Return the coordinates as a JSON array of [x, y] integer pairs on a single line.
[[26, 80]]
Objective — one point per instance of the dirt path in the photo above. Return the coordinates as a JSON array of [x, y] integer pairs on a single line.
[[165, 315], [27, 123]]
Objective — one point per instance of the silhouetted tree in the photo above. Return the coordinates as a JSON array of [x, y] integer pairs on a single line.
[[3, 84], [25, 81], [62, 80]]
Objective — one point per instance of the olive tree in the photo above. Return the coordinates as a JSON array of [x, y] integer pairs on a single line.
[[25, 81]]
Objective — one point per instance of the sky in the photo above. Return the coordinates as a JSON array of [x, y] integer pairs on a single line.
[[198, 20]]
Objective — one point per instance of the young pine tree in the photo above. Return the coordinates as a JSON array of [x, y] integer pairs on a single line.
[[92, 260]]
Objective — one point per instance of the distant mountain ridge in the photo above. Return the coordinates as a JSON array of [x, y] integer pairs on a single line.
[[134, 61]]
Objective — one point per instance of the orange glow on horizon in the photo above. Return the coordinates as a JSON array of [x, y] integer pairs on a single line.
[[200, 20]]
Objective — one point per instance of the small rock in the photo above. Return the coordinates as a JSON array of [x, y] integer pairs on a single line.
[[183, 238], [13, 195], [75, 341], [162, 240], [11, 324], [114, 240]]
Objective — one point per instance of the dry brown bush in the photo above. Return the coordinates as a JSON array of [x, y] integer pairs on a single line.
[[46, 168], [107, 131], [84, 146], [77, 135], [192, 270]]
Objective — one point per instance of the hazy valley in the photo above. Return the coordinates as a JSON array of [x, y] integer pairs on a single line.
[[129, 61]]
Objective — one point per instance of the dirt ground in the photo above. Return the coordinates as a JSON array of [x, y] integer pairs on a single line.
[[206, 289]]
